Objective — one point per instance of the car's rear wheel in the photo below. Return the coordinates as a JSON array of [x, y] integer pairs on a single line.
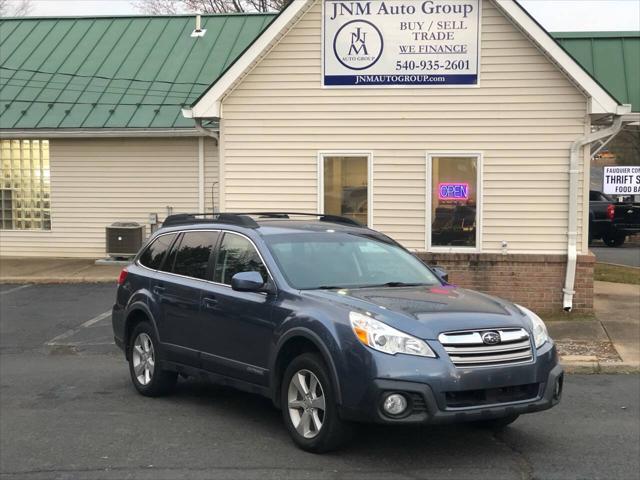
[[614, 239], [309, 406], [496, 423], [146, 373]]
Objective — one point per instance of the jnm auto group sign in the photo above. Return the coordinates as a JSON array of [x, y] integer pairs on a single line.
[[410, 43]]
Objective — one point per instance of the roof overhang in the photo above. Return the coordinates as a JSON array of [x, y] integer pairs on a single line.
[[209, 105], [600, 101], [98, 132]]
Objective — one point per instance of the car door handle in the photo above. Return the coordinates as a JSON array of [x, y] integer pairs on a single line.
[[210, 302], [159, 290]]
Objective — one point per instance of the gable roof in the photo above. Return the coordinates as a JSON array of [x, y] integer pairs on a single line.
[[208, 105], [114, 72], [613, 58]]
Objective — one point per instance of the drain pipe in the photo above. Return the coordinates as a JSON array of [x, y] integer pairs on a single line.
[[572, 251], [201, 179]]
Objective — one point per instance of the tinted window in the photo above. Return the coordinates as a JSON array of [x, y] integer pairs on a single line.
[[237, 254], [192, 256], [154, 254]]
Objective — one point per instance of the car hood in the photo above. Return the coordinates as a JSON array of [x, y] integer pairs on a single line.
[[428, 311]]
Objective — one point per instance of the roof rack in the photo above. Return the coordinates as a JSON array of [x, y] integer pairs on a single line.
[[244, 219], [190, 218], [323, 217]]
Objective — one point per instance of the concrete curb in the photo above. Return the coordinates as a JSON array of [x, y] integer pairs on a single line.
[[592, 368]]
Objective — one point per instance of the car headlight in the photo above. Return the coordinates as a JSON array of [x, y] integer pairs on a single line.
[[383, 338], [540, 334]]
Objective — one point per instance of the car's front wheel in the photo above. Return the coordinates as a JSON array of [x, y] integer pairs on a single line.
[[146, 374], [309, 406]]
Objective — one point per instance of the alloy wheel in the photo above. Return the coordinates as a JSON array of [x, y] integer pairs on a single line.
[[306, 403], [143, 357]]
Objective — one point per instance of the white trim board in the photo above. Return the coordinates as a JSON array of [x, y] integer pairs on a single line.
[[209, 105]]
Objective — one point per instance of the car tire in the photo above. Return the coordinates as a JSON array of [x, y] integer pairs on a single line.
[[144, 366], [614, 239], [302, 413], [496, 423]]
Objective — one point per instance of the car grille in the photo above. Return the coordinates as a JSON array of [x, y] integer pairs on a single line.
[[467, 349]]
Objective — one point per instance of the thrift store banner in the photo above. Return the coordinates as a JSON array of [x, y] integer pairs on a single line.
[[401, 43]]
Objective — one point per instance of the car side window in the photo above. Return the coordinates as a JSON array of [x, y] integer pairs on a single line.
[[154, 254], [193, 253], [237, 254]]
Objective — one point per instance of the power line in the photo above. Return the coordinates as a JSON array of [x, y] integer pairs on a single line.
[[124, 91], [101, 77], [112, 104]]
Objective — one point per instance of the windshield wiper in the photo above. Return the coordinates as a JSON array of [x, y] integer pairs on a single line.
[[328, 287]]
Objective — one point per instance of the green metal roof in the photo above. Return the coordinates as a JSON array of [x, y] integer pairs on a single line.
[[114, 72], [612, 58], [138, 72]]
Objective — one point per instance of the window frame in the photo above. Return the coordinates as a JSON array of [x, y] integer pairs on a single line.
[[479, 157], [349, 154]]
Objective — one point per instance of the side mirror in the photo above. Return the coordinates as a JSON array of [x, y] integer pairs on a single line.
[[442, 274], [247, 282]]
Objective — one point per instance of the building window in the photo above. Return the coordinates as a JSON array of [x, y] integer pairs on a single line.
[[453, 200], [25, 188], [344, 186]]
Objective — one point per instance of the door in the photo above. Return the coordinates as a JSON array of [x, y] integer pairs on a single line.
[[237, 326], [179, 288]]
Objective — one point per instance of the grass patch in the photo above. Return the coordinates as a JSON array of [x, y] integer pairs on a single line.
[[616, 274]]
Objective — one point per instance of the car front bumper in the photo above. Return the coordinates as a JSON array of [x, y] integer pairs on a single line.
[[429, 390]]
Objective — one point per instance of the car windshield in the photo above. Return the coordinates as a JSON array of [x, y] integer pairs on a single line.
[[344, 260]]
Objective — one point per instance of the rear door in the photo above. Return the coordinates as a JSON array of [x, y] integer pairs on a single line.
[[237, 326], [179, 289]]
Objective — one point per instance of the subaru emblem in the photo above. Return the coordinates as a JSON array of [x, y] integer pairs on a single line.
[[491, 338]]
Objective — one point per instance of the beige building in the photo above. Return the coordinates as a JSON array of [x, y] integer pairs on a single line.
[[488, 178]]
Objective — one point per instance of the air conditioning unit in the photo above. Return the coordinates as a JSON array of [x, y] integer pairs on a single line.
[[124, 239]]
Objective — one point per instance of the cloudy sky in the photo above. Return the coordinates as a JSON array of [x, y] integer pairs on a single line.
[[554, 15]]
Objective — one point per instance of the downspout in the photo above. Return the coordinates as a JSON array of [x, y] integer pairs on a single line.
[[201, 179], [572, 234]]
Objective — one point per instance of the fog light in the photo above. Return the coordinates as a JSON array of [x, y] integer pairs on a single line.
[[395, 404]]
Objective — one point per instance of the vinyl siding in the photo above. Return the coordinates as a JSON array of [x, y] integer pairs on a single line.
[[97, 182], [523, 118]]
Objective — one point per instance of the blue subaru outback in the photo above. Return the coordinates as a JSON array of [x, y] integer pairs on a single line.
[[334, 322]]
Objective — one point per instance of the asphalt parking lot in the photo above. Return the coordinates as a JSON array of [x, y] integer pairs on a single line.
[[628, 254], [68, 410]]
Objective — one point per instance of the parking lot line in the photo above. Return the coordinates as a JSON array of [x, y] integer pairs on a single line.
[[15, 289], [73, 331]]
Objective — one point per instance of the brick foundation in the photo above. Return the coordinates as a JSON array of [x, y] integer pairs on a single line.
[[534, 281]]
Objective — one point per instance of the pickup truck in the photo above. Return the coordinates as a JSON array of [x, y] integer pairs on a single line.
[[610, 220]]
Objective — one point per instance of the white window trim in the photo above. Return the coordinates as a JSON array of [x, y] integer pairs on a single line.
[[479, 156], [347, 153]]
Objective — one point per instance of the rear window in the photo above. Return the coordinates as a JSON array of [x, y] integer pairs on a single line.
[[192, 256], [154, 254]]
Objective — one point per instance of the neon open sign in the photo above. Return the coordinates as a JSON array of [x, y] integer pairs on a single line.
[[453, 191]]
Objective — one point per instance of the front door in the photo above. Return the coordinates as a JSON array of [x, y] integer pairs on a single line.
[[180, 291], [237, 326]]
